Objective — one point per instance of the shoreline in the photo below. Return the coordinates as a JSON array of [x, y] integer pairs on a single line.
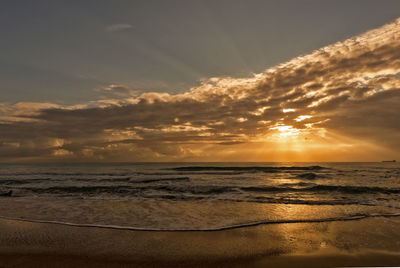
[[365, 242], [217, 229]]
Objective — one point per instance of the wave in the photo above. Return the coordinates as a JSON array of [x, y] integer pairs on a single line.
[[173, 171], [261, 199], [121, 189], [298, 184], [194, 172], [93, 180], [29, 181], [354, 189], [199, 189], [125, 179], [68, 174], [85, 189], [137, 186], [222, 228], [292, 201], [131, 180], [325, 188], [308, 176], [22, 181], [161, 180]]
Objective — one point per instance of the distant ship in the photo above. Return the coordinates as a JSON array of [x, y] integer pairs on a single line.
[[389, 161]]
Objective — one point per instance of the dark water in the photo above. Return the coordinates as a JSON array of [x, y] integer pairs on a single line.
[[191, 196]]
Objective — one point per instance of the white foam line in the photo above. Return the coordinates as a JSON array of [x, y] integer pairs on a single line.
[[251, 224]]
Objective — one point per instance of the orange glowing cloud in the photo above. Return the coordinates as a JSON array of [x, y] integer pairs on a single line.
[[339, 103]]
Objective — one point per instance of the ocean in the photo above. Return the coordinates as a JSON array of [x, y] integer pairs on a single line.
[[197, 196]]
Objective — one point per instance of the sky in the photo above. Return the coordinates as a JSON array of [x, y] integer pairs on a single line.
[[199, 80]]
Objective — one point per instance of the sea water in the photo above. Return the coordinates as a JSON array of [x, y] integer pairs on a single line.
[[197, 196]]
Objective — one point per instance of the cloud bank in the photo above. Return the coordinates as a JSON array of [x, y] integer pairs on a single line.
[[339, 103]]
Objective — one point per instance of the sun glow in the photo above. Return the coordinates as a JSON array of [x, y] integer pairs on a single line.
[[286, 130]]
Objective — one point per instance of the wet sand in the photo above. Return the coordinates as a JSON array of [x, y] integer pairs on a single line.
[[367, 242]]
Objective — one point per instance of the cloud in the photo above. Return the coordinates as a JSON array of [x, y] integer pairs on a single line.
[[118, 27], [22, 111], [118, 90], [338, 103]]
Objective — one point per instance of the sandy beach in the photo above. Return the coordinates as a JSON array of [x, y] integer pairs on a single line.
[[367, 242]]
